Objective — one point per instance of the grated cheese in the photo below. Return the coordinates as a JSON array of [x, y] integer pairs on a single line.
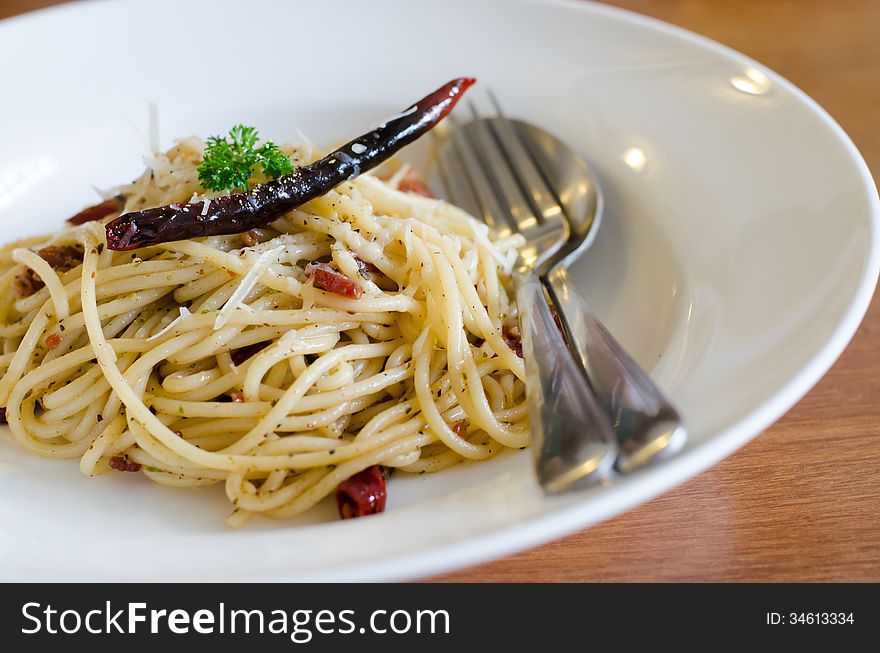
[[481, 237], [247, 284], [184, 313]]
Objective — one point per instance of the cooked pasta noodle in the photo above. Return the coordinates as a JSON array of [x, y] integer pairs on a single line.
[[215, 361]]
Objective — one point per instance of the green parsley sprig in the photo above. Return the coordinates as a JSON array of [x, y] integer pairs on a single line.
[[229, 163]]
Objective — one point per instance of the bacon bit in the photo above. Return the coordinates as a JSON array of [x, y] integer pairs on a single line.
[[326, 278], [53, 340], [513, 338], [123, 464], [362, 494], [239, 356], [99, 211], [460, 428], [250, 238], [61, 259], [236, 397]]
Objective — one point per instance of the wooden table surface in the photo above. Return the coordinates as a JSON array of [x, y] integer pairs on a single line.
[[801, 502]]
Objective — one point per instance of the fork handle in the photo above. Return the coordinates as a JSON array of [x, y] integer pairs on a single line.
[[647, 427], [573, 439]]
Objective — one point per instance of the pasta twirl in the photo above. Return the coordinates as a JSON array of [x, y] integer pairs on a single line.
[[223, 361]]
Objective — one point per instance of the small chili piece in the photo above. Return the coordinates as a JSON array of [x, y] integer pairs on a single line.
[[413, 183], [99, 211], [326, 278], [362, 494], [123, 464], [60, 259]]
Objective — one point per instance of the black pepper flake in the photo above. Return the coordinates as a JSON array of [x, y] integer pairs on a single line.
[[100, 417]]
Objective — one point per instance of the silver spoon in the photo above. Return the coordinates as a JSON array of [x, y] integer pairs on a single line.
[[647, 427]]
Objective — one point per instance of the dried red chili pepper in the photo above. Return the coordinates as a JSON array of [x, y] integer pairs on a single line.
[[362, 494], [240, 212]]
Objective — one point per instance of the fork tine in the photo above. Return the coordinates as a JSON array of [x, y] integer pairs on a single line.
[[458, 187], [489, 205], [543, 197], [499, 171]]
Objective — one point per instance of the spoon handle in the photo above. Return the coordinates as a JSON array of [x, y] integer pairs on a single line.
[[646, 425], [573, 440]]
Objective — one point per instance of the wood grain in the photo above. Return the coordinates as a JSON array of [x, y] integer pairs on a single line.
[[802, 501]]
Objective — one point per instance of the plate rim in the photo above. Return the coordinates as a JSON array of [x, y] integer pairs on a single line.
[[433, 561]]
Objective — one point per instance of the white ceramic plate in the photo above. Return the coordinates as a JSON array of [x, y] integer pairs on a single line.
[[738, 254]]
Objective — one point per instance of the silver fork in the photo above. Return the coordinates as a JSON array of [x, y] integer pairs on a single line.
[[574, 443], [511, 168]]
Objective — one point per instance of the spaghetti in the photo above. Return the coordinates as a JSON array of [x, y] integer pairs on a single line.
[[238, 359]]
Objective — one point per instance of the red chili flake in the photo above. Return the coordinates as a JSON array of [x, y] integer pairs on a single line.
[[123, 464], [326, 278], [99, 211], [239, 356], [460, 428], [236, 397], [53, 340], [362, 494], [513, 338]]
